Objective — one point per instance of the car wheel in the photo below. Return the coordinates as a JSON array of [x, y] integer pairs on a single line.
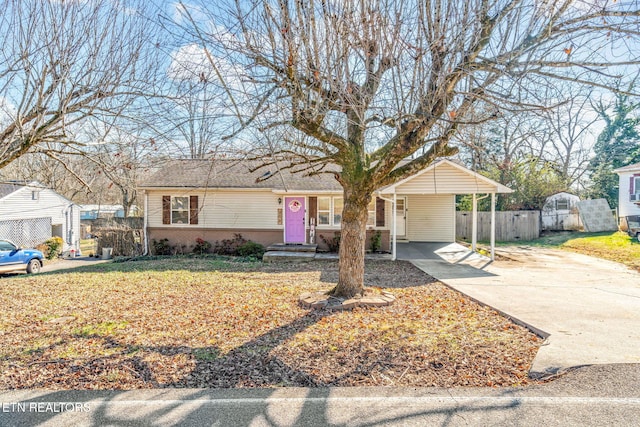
[[34, 266]]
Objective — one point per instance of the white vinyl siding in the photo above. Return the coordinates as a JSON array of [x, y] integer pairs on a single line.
[[625, 206], [445, 179], [224, 209], [65, 215], [431, 218]]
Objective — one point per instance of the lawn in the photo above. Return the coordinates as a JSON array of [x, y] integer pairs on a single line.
[[613, 246], [211, 323]]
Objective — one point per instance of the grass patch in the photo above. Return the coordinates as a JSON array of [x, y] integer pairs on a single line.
[[613, 246], [99, 329], [618, 247], [199, 322], [88, 247]]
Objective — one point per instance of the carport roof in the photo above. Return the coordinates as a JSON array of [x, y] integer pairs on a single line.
[[446, 177]]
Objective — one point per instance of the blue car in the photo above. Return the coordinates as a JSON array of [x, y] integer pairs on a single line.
[[14, 258]]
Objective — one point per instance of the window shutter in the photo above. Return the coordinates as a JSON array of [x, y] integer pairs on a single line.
[[379, 212], [313, 209], [193, 210], [631, 180], [166, 209]]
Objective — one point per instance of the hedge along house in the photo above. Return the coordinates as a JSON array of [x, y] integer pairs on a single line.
[[215, 199]]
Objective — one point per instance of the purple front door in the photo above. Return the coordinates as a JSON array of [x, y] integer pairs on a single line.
[[294, 227]]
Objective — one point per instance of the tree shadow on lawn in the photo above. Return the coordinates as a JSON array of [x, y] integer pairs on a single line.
[[378, 273], [225, 391]]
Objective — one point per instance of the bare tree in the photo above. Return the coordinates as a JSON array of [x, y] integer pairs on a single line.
[[569, 147], [64, 62], [190, 114], [371, 82]]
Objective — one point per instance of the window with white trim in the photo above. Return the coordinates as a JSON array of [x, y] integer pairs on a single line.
[[330, 211], [338, 205], [324, 210], [371, 220], [180, 210]]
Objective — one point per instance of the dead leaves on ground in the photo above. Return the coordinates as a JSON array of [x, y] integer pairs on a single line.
[[189, 324]]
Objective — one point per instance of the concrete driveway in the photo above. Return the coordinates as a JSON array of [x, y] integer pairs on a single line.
[[587, 308]]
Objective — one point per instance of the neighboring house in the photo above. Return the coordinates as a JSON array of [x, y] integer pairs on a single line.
[[213, 199], [560, 212], [31, 213], [89, 212], [629, 192]]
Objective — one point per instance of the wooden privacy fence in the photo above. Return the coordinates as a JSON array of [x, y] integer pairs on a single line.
[[511, 226]]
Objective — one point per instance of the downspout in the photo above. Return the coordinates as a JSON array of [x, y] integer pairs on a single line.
[[145, 224], [393, 224]]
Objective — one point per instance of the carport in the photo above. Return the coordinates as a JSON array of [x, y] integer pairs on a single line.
[[423, 206]]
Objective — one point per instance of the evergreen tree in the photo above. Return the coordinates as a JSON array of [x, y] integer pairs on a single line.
[[617, 145]]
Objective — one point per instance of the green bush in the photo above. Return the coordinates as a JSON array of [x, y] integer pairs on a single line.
[[251, 249], [376, 241], [161, 247], [229, 246], [53, 247]]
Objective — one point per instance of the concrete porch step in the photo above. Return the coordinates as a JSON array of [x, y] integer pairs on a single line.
[[289, 247], [277, 256]]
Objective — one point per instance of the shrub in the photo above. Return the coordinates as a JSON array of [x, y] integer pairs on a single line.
[[376, 241], [252, 249], [161, 247], [229, 246], [53, 247], [333, 243], [201, 247]]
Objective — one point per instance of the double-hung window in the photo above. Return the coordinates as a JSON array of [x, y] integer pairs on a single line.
[[324, 210], [338, 205], [371, 220], [180, 210], [330, 211]]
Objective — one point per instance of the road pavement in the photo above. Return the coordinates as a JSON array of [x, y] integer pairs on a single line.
[[590, 396]]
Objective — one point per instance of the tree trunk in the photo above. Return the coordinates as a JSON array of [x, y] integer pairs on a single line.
[[352, 244]]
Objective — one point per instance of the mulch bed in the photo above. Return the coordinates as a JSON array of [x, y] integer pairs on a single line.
[[202, 323]]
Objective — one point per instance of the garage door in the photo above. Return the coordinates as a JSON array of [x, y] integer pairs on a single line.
[[431, 218]]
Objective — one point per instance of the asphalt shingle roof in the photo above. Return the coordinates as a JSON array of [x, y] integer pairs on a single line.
[[8, 188], [633, 167], [237, 174]]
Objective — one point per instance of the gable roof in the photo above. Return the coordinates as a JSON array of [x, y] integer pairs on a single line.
[[446, 177], [7, 188], [238, 174], [630, 168]]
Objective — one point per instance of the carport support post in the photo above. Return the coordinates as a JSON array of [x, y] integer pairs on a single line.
[[493, 226], [393, 229], [474, 223]]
